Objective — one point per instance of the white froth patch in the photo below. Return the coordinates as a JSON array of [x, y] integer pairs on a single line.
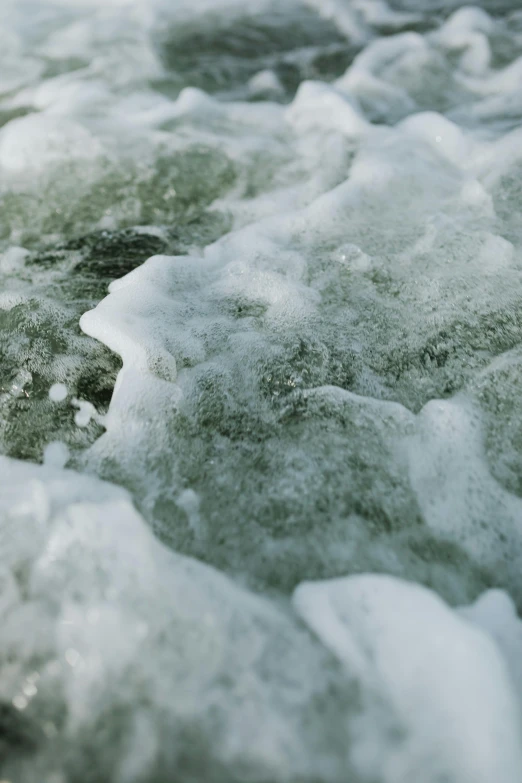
[[58, 392], [495, 613], [265, 82], [35, 142], [444, 682], [444, 135], [13, 260], [86, 412], [109, 615], [318, 105], [56, 454], [459, 497]]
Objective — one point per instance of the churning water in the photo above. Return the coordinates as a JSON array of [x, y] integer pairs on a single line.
[[260, 405]]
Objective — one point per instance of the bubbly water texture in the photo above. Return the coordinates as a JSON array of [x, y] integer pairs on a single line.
[[275, 534]]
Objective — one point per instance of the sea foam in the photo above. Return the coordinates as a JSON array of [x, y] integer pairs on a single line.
[[260, 307]]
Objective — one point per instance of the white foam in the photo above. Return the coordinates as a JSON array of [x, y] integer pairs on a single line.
[[265, 82], [495, 613], [58, 392], [56, 454], [31, 143], [86, 412], [455, 489], [453, 713], [331, 387], [108, 614]]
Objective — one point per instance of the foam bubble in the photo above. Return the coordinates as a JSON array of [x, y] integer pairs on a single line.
[[56, 454], [58, 392]]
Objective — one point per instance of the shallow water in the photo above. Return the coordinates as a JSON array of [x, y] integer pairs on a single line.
[[260, 418]]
